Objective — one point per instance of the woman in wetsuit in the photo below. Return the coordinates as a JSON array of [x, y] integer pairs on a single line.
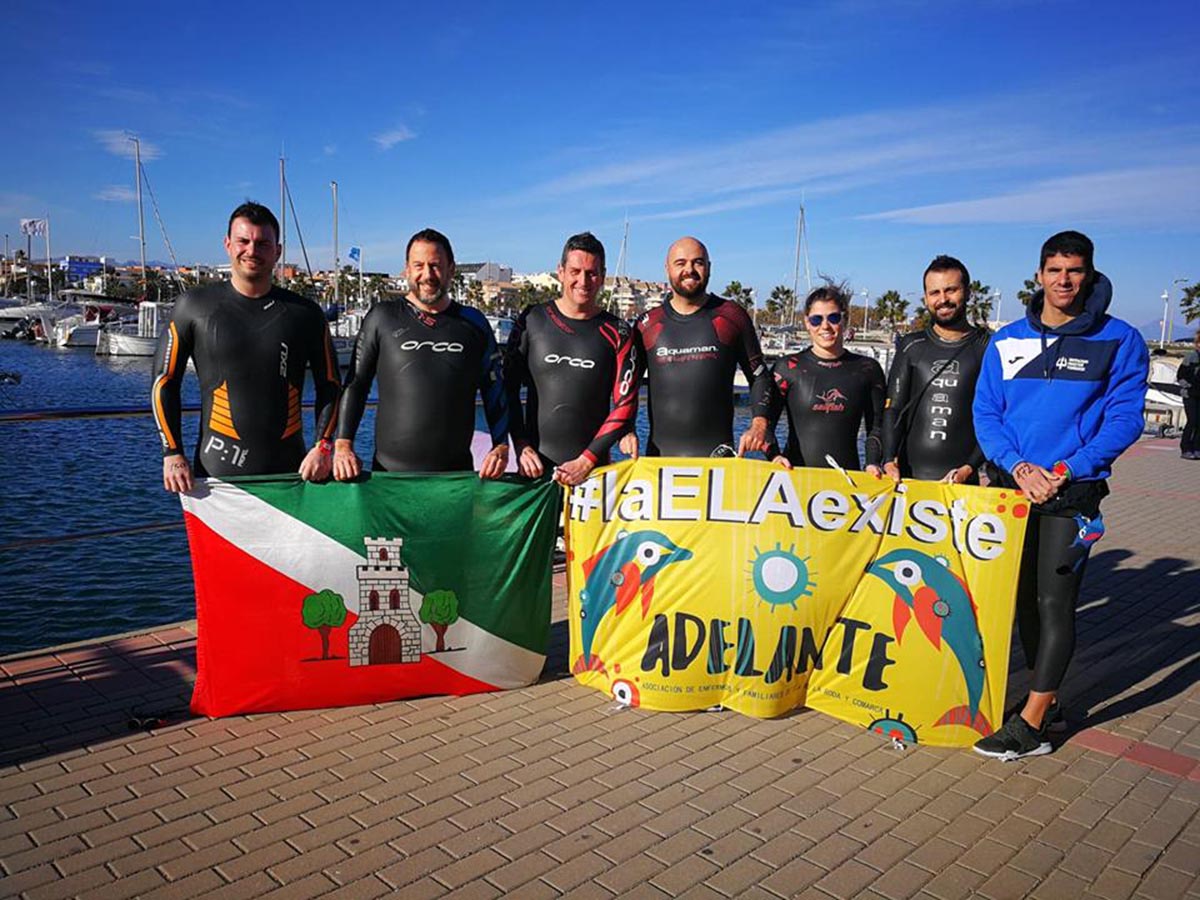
[[828, 391]]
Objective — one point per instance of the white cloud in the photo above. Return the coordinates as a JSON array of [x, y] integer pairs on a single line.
[[116, 193], [389, 139], [990, 141], [329, 149], [117, 142], [1142, 196]]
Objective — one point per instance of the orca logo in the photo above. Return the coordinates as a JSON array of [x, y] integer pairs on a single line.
[[435, 346], [573, 361]]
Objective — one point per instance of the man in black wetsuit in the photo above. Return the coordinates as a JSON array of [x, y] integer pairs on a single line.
[[251, 342], [828, 391], [691, 347], [577, 364], [928, 432], [431, 356]]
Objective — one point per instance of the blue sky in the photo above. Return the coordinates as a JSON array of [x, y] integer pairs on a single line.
[[909, 128]]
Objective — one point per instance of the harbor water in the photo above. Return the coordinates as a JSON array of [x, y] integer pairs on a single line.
[[62, 481]]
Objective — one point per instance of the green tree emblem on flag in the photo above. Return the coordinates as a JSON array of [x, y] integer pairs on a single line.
[[440, 610], [324, 611]]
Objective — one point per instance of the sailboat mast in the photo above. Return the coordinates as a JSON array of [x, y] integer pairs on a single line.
[[796, 266], [336, 279], [282, 215], [137, 173], [622, 262]]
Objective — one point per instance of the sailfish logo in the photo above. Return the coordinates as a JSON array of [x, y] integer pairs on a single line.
[[831, 400]]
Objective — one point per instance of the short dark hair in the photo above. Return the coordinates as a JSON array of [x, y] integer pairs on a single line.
[[430, 236], [944, 263], [586, 242], [255, 214], [1069, 243], [831, 292]]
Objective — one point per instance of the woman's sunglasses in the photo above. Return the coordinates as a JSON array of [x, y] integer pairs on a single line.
[[834, 318]]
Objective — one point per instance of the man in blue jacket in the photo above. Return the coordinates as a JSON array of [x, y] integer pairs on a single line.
[[1059, 398]]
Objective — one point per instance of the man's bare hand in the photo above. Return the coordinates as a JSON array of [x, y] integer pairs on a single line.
[[892, 470], [754, 438], [346, 464], [495, 462], [574, 472], [782, 461], [177, 474], [958, 476], [529, 463], [629, 445], [873, 470], [316, 465], [1038, 484]]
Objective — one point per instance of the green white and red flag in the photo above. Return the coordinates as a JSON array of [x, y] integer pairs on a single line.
[[320, 595]]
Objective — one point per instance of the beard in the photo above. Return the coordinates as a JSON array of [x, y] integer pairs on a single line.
[[699, 289], [424, 288], [948, 316]]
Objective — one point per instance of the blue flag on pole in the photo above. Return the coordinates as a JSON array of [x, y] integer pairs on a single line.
[[355, 253]]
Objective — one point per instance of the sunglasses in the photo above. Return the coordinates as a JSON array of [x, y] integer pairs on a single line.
[[834, 318]]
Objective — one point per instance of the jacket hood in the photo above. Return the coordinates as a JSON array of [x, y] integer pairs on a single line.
[[1094, 309]]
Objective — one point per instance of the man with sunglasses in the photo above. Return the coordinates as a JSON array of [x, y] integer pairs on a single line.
[[691, 347], [928, 432], [828, 392]]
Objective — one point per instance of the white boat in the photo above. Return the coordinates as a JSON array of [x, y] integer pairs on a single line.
[[501, 327], [75, 331], [82, 329], [142, 340], [41, 310], [1164, 401]]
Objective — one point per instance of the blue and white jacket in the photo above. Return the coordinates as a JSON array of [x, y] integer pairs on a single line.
[[1073, 393]]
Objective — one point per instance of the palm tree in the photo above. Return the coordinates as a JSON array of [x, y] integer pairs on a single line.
[[1190, 304], [736, 292], [782, 303], [1025, 294], [979, 307]]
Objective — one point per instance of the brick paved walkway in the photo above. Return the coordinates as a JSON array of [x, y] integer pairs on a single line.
[[551, 790]]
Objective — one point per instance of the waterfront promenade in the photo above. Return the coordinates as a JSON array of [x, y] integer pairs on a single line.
[[552, 790]]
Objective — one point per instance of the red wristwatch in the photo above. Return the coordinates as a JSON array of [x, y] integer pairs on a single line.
[[1062, 470]]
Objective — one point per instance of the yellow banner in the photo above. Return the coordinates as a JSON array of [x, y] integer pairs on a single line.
[[701, 582]]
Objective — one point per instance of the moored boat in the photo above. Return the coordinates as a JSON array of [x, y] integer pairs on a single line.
[[122, 339]]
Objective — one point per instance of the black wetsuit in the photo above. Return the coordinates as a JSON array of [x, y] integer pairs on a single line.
[[250, 355], [826, 399], [573, 371], [1189, 380], [690, 361], [429, 367], [927, 422]]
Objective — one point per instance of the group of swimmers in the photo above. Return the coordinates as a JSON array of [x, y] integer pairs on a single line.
[[1044, 405]]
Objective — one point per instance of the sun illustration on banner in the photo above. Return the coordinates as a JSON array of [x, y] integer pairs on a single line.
[[780, 576], [894, 729]]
